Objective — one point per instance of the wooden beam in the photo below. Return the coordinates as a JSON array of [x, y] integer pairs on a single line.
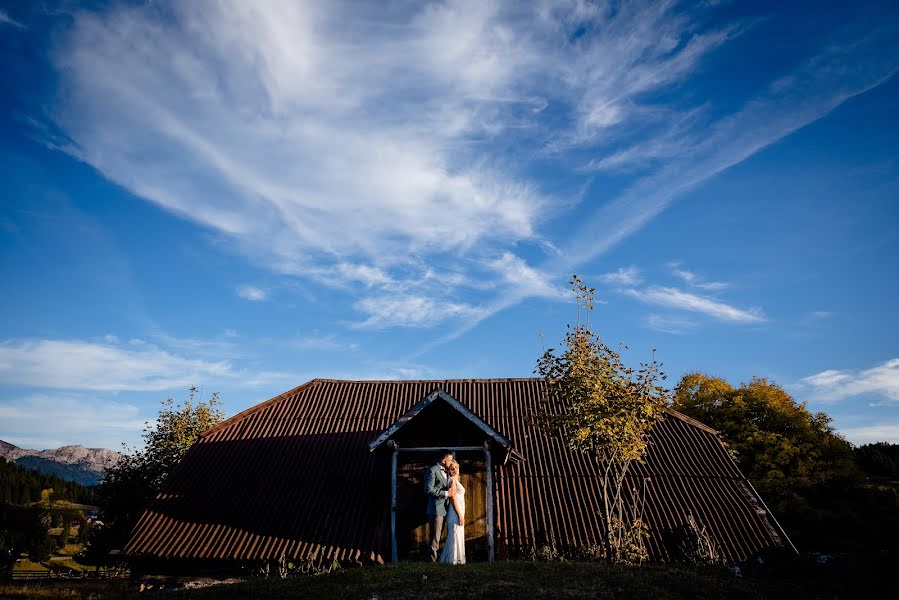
[[771, 514], [489, 461], [393, 550], [439, 448]]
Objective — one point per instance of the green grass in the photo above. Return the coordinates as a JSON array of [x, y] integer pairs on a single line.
[[56, 563], [99, 589], [58, 505], [513, 581], [26, 564], [70, 550], [506, 581]]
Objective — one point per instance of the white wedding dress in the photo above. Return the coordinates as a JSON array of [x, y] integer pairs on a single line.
[[454, 550]]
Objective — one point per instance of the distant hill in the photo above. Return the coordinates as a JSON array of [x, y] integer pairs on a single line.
[[73, 463]]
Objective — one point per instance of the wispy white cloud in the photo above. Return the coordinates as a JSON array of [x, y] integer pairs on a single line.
[[5, 19], [252, 293], [219, 347], [624, 276], [847, 68], [627, 52], [368, 275], [108, 365], [815, 318], [515, 273], [392, 371], [841, 71], [317, 342], [833, 385], [254, 378], [76, 419], [88, 365], [409, 311], [694, 280], [868, 434], [350, 143], [672, 325], [662, 145], [279, 123], [680, 299], [826, 378]]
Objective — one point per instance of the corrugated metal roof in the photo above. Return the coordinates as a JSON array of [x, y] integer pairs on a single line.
[[293, 476]]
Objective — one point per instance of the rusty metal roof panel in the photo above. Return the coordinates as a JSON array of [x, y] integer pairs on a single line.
[[294, 476]]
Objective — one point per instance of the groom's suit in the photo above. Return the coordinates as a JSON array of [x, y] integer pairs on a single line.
[[436, 486]]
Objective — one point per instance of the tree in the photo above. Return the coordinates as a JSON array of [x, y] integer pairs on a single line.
[[128, 488], [67, 518], [803, 469], [84, 529], [600, 405], [879, 460], [41, 548], [776, 441], [23, 529]]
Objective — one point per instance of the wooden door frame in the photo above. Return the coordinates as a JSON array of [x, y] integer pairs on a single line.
[[488, 460]]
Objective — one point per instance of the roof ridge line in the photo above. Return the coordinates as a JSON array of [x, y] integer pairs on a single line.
[[468, 379], [257, 407]]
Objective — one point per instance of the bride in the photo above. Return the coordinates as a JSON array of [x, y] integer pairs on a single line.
[[454, 550]]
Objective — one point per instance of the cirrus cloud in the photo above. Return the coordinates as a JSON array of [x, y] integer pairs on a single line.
[[102, 366], [252, 293], [833, 385], [409, 311], [346, 142], [674, 298], [624, 276]]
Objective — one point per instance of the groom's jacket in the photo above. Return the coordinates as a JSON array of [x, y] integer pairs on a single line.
[[436, 485]]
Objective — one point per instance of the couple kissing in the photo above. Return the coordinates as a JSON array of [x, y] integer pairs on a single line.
[[446, 505]]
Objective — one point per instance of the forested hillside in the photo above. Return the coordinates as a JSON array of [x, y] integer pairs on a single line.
[[21, 485]]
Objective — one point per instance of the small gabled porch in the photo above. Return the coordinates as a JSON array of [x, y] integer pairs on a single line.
[[440, 422]]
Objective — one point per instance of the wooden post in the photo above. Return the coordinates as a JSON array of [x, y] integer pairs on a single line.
[[393, 550], [488, 460]]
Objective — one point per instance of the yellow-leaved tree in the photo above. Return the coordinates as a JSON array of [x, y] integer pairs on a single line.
[[127, 488], [600, 405]]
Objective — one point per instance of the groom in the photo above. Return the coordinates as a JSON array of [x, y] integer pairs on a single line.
[[437, 490]]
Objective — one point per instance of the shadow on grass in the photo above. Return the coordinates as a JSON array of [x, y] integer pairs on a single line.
[[848, 577]]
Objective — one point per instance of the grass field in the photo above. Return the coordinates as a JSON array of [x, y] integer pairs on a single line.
[[58, 505], [510, 581]]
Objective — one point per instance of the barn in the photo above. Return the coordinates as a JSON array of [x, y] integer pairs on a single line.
[[333, 470]]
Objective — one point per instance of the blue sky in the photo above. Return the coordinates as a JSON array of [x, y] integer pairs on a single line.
[[244, 196]]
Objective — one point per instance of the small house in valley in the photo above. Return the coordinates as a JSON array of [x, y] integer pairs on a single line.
[[332, 470]]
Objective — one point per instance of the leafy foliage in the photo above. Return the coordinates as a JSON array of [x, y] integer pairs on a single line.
[[128, 487], [598, 404], [775, 439], [23, 529], [802, 468]]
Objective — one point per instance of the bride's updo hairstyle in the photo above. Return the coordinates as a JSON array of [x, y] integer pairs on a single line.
[[454, 469]]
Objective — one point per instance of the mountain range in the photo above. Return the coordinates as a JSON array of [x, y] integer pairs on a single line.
[[75, 463]]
